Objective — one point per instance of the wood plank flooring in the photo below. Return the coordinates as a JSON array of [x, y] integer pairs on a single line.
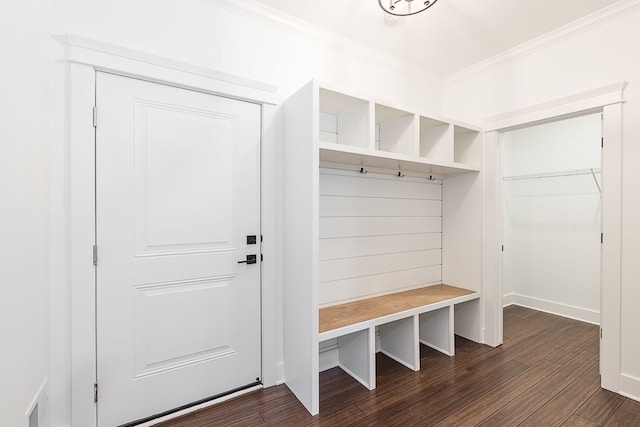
[[545, 374]]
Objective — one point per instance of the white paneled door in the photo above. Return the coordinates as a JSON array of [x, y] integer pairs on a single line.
[[177, 194]]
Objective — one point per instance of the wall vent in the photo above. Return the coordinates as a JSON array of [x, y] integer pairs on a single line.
[[33, 417]]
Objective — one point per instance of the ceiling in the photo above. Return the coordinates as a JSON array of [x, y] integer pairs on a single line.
[[448, 37]]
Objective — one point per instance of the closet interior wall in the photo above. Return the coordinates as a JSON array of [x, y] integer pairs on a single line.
[[551, 187]]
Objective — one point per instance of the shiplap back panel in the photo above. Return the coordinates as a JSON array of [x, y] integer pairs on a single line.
[[378, 234]]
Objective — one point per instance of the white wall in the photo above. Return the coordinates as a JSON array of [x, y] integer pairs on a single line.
[[25, 103], [211, 34], [232, 36], [552, 224], [598, 56]]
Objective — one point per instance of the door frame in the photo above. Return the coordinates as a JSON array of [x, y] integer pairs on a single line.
[[609, 100], [85, 57]]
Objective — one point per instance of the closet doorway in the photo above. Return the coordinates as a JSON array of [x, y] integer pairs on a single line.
[[551, 191]]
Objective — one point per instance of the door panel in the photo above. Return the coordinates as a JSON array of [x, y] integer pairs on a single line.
[[173, 182], [177, 185]]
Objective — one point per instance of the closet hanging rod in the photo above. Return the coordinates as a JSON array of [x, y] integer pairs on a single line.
[[560, 174]]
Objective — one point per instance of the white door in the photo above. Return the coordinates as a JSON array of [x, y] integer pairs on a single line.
[[177, 194]]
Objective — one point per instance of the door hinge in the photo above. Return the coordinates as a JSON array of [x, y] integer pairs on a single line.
[[602, 142], [601, 237], [95, 117], [95, 254], [95, 392], [600, 333], [502, 248]]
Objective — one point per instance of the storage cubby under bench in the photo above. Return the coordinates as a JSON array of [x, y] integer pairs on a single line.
[[404, 320]]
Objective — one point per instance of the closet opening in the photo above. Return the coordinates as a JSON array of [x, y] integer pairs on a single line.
[[551, 220]]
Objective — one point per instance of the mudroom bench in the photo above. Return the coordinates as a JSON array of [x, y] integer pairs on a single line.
[[403, 321]]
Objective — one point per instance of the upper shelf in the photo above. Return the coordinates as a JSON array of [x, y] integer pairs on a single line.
[[367, 158], [362, 133]]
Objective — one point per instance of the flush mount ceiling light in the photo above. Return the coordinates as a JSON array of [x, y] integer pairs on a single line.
[[405, 7]]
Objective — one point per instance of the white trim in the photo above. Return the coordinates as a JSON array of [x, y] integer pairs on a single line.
[[611, 263], [552, 307], [269, 209], [554, 37], [284, 22], [583, 101], [108, 57], [82, 231], [507, 300], [610, 344], [491, 173], [280, 373], [85, 58], [630, 387]]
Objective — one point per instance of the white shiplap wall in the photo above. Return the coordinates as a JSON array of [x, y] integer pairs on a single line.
[[378, 234]]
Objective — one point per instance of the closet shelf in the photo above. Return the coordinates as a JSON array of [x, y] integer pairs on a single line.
[[351, 157]]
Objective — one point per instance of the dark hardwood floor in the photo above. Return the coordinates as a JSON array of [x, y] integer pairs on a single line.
[[545, 374]]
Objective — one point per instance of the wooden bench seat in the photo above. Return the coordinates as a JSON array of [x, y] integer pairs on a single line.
[[370, 309], [403, 319]]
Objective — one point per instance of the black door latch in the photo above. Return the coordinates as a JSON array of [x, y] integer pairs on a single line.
[[251, 259]]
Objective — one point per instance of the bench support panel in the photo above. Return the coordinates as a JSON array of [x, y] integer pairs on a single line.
[[399, 341], [437, 330], [356, 356], [467, 320]]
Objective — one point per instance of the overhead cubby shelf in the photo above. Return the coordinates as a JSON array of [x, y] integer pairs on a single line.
[[332, 154], [362, 133]]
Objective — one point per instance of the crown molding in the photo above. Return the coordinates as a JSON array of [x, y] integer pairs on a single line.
[[287, 23], [554, 37]]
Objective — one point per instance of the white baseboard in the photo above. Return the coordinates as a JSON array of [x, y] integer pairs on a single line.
[[507, 300], [280, 373], [559, 309], [630, 387]]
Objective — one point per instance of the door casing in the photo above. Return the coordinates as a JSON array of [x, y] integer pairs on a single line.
[[609, 101], [86, 57]]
